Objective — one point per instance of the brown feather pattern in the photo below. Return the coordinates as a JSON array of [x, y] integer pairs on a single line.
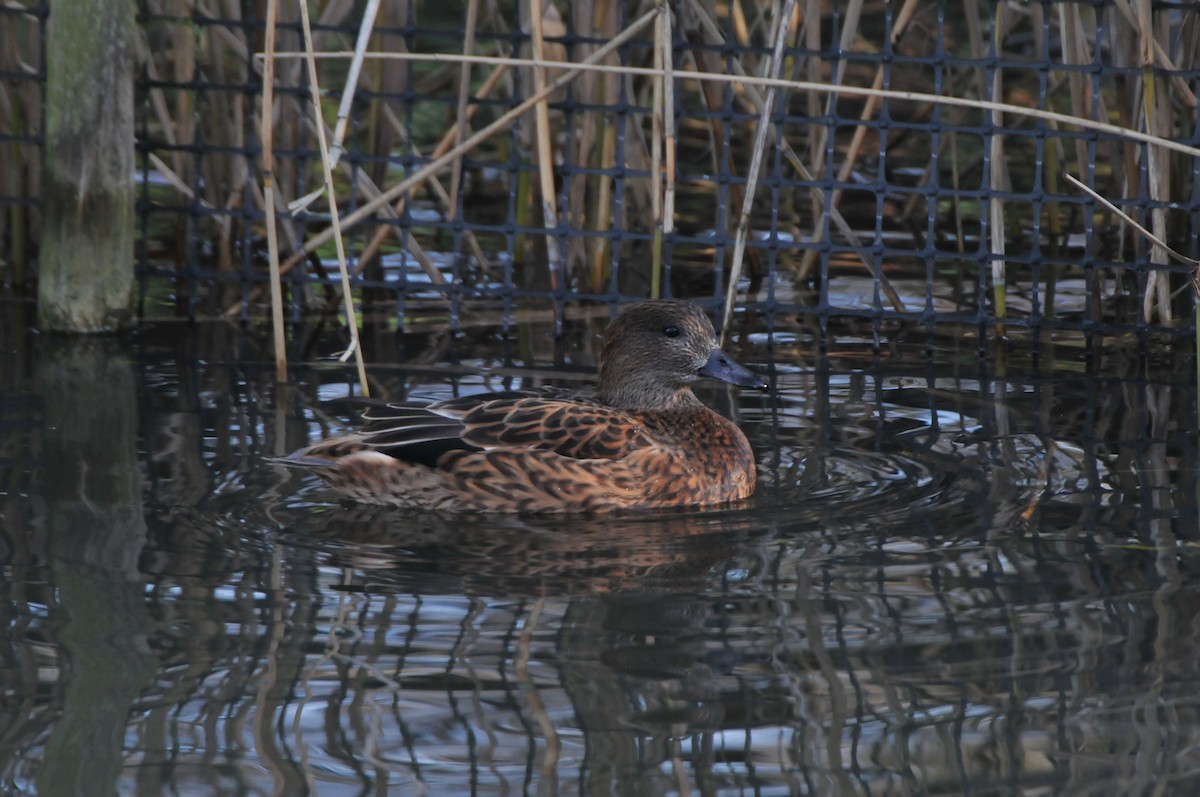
[[641, 441]]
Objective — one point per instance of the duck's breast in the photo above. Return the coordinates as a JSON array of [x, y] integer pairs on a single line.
[[698, 457]]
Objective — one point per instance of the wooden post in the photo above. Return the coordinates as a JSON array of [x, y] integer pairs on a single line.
[[86, 277]]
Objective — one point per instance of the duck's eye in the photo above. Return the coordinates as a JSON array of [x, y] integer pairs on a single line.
[[671, 331]]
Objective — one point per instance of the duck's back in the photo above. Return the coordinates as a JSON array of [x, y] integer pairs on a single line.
[[537, 451]]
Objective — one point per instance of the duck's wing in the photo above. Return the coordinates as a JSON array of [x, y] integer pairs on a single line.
[[571, 425], [579, 429], [413, 433]]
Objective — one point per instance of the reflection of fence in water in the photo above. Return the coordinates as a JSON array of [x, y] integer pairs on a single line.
[[857, 670], [980, 623]]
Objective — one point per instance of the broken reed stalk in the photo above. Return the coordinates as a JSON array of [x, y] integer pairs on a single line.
[[591, 146], [870, 106], [783, 25], [460, 119], [1075, 53], [850, 25], [602, 253], [668, 68], [544, 148], [347, 294], [1155, 112], [360, 47], [997, 179], [268, 176], [656, 136]]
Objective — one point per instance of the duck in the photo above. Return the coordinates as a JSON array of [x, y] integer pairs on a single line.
[[641, 440]]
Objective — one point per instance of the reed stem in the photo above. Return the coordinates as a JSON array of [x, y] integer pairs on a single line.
[[268, 169], [354, 349]]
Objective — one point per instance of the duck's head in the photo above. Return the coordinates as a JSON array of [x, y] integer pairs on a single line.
[[654, 351]]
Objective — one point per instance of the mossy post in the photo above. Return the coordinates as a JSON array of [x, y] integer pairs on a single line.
[[86, 277]]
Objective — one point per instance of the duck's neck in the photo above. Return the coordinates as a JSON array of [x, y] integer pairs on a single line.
[[648, 397]]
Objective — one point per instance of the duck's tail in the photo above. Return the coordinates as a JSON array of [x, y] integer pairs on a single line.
[[325, 454], [302, 459]]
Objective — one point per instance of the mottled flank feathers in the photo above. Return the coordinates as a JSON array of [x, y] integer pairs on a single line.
[[643, 440]]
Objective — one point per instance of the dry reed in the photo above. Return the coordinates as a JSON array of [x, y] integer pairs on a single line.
[[1146, 119]]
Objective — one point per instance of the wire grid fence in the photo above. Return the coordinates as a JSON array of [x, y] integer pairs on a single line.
[[22, 78], [879, 208]]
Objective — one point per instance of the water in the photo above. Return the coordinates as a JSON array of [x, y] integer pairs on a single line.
[[951, 581]]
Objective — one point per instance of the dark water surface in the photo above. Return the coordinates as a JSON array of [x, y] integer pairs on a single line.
[[960, 576]]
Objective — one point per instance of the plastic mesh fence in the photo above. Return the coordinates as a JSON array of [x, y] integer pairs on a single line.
[[871, 210]]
